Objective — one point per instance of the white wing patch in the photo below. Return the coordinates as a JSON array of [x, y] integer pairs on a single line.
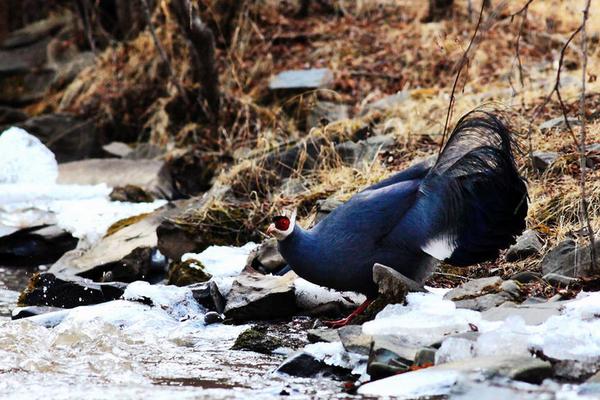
[[440, 247]]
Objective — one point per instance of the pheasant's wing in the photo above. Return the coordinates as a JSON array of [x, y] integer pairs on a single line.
[[417, 171], [473, 202]]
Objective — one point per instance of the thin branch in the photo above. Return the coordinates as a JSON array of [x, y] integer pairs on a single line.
[[522, 9], [163, 53], [582, 136], [463, 61]]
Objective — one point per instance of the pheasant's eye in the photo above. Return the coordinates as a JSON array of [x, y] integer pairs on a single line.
[[281, 223]]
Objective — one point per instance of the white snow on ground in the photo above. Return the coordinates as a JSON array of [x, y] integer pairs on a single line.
[[222, 260], [333, 354], [309, 295], [572, 335], [29, 195]]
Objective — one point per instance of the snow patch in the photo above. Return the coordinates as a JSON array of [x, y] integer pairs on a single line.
[[30, 196], [222, 261], [309, 295], [334, 354], [411, 385]]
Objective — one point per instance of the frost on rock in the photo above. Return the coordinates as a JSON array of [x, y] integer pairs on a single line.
[[25, 159], [334, 354], [309, 295], [30, 196], [224, 263], [222, 260], [415, 384], [426, 319], [574, 335]]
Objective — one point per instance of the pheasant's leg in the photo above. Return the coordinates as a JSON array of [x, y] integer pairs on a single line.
[[345, 321]]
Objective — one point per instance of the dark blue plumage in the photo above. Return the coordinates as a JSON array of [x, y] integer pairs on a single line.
[[465, 208]]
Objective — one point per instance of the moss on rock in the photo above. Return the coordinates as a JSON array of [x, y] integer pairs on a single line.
[[187, 272]]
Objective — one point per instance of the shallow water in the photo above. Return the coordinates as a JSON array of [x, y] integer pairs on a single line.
[[124, 349]]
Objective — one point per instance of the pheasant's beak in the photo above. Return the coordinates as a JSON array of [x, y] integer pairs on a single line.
[[271, 229]]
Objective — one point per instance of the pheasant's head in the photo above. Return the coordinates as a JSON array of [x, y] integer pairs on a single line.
[[282, 226]]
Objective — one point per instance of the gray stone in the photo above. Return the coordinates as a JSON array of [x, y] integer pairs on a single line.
[[387, 102], [527, 245], [301, 80], [425, 357], [559, 280], [594, 378], [31, 311], [323, 335], [150, 175], [47, 289], [568, 259], [542, 160], [255, 296], [109, 253], [558, 122], [208, 295], [393, 285], [117, 149], [212, 317], [526, 276], [325, 112], [266, 258], [35, 246], [474, 288], [520, 368], [305, 365], [353, 339], [484, 302], [388, 357], [325, 207], [532, 314], [257, 339], [145, 151], [512, 288], [363, 151]]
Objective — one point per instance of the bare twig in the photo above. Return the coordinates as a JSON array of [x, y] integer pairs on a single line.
[[163, 53], [463, 61], [84, 10], [582, 136]]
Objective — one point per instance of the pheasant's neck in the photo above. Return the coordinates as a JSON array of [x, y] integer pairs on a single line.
[[302, 252]]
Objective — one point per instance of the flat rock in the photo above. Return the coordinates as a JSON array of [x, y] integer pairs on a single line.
[[364, 151], [301, 80], [255, 296], [387, 102], [354, 340], [325, 207], [35, 246], [520, 368], [325, 112], [526, 276], [31, 311], [542, 160], [266, 257], [117, 149], [388, 356], [208, 295], [558, 122], [532, 314], [323, 335], [560, 280], [151, 175], [108, 253], [474, 288], [393, 285], [47, 289], [568, 259], [484, 302], [303, 365], [527, 245]]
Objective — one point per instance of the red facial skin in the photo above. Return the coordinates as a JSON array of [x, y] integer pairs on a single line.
[[281, 223]]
